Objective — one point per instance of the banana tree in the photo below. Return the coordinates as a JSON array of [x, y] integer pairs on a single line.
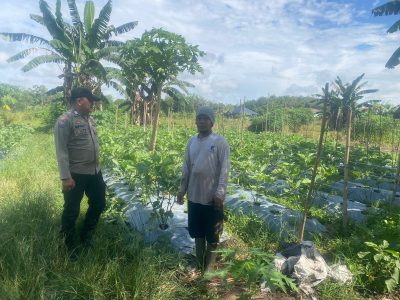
[[390, 8], [78, 47], [349, 94]]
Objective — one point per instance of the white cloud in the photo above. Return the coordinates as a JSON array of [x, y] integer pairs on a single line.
[[254, 48]]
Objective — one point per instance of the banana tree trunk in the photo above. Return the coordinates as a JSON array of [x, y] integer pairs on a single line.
[[151, 114], [132, 115], [346, 171], [144, 115], [152, 145], [308, 201], [67, 82]]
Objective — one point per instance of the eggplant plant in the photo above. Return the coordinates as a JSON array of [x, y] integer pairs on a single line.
[[159, 177]]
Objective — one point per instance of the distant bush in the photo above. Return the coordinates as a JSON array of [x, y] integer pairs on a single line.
[[10, 135], [375, 129], [292, 118], [51, 112]]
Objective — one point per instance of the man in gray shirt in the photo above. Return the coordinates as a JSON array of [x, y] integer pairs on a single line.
[[77, 150], [204, 179]]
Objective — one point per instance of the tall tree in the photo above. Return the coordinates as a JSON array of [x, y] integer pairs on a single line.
[[78, 47], [390, 8], [349, 94], [158, 58]]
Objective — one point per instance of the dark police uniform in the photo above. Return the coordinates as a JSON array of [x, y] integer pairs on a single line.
[[77, 150]]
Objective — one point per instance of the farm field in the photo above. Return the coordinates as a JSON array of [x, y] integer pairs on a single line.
[[300, 91], [31, 204]]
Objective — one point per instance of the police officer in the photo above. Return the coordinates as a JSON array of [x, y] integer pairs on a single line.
[[77, 150]]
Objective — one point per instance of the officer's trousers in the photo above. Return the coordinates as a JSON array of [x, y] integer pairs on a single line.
[[93, 187]]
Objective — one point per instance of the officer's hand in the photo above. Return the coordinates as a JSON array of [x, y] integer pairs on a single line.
[[67, 185], [218, 202], [179, 198]]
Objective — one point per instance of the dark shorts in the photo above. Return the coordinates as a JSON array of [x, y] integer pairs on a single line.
[[205, 221]]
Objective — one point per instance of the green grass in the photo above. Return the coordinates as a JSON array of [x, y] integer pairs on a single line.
[[34, 262]]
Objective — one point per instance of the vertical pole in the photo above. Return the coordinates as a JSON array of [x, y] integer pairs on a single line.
[[308, 202], [396, 182], [346, 171], [242, 123], [116, 119]]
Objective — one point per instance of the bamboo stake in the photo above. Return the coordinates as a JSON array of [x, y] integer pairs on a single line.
[[242, 124], [116, 119], [346, 171], [368, 133], [144, 115], [315, 169], [126, 120], [396, 182], [392, 141]]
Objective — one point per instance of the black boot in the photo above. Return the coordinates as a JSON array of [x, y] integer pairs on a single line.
[[87, 238], [72, 247], [210, 256]]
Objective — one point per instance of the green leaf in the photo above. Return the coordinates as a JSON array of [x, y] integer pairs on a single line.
[[395, 27], [23, 37], [99, 26], [385, 244], [125, 27], [37, 18], [42, 60], [89, 15], [363, 254], [74, 13]]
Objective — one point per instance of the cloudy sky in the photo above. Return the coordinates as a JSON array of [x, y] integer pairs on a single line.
[[254, 47]]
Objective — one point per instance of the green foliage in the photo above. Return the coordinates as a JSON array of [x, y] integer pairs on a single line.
[[156, 175], [390, 8], [11, 135], [376, 129], [51, 112], [387, 263], [79, 48], [254, 232], [330, 290], [279, 118], [253, 267], [265, 104], [18, 98], [257, 160]]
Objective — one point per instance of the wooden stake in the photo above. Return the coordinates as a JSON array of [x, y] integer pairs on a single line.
[[316, 163]]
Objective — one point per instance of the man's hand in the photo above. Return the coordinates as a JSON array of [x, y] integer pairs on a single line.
[[179, 198], [218, 202], [67, 185]]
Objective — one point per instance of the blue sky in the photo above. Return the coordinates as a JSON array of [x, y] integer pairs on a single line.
[[254, 47]]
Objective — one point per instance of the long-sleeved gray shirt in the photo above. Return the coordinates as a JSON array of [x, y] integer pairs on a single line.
[[205, 168], [77, 147]]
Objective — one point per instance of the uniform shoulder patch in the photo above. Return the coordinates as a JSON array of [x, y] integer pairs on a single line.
[[62, 121]]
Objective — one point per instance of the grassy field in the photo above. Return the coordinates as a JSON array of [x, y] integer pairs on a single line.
[[34, 263], [33, 260]]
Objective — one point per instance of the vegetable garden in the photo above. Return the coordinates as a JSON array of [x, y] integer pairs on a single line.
[[277, 167], [286, 185], [267, 167]]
